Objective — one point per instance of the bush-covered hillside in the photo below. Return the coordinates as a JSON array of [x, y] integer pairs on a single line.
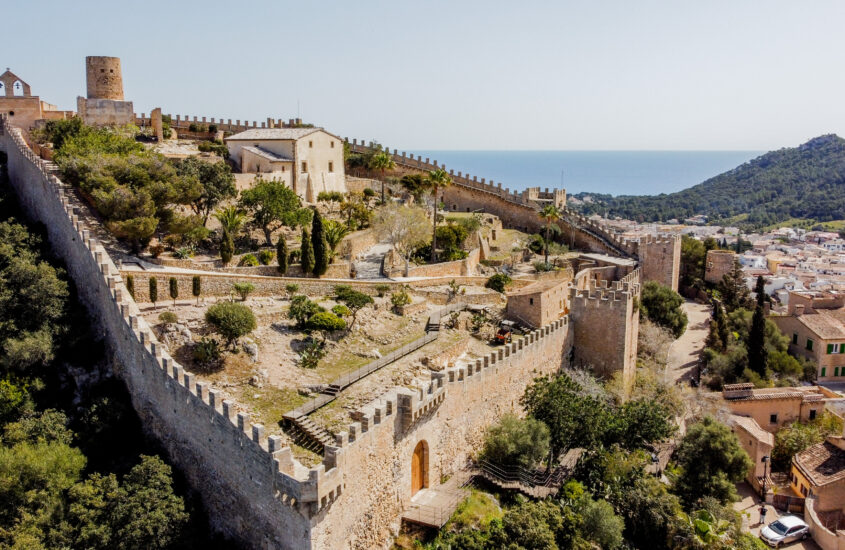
[[801, 182]]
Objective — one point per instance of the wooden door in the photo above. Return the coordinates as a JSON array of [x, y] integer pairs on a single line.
[[418, 466]]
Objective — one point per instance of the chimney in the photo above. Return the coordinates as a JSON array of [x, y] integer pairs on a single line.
[[799, 310]]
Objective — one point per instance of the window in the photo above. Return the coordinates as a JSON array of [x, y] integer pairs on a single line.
[[11, 113], [835, 348], [823, 371], [835, 371], [305, 167], [809, 344], [331, 166], [812, 414], [332, 144], [310, 144], [773, 419], [795, 338], [531, 301]]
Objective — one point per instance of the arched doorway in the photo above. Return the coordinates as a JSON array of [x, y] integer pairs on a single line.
[[419, 467]]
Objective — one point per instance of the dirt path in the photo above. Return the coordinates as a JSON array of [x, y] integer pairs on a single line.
[[683, 353], [369, 264]]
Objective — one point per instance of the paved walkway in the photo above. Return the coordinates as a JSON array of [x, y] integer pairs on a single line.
[[369, 266], [683, 353], [749, 506]]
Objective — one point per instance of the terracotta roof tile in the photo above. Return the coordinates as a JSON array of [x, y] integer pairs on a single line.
[[822, 463]]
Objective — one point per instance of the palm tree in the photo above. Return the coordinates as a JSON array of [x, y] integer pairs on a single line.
[[335, 231], [549, 214], [383, 162], [436, 179], [231, 218]]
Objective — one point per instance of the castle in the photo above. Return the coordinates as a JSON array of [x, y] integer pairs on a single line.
[[407, 439]]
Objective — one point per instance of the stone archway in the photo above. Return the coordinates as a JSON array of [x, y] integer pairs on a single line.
[[419, 468]]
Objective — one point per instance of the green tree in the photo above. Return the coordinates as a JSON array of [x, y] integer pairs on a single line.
[[227, 247], [321, 247], [306, 253], [282, 254], [354, 300], [301, 309], [231, 219], [174, 289], [437, 180], [325, 321], [417, 185], [549, 214], [196, 287], [516, 442], [733, 290], [153, 283], [756, 344], [130, 285], [243, 290], [711, 461], [693, 255], [216, 179], [498, 282], [601, 525], [335, 232], [382, 161], [230, 320], [404, 227], [271, 205], [662, 305]]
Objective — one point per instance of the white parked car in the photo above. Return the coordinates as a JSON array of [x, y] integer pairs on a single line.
[[785, 530]]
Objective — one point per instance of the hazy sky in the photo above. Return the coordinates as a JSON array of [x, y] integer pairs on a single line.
[[734, 74]]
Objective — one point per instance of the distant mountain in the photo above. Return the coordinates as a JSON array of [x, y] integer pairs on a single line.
[[805, 182]]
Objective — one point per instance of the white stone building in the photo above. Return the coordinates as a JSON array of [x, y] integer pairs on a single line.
[[309, 160]]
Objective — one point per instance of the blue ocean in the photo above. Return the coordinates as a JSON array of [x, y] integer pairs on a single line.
[[613, 172]]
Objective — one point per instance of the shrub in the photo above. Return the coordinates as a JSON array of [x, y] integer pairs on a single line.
[[168, 318], [301, 309], [382, 289], [333, 196], [662, 305], [293, 257], [227, 247], [543, 267], [537, 244], [291, 289], [498, 282], [243, 289], [248, 260], [340, 310], [352, 299], [282, 254], [212, 128], [400, 298], [230, 320], [311, 353], [156, 250], [369, 193], [516, 442], [206, 351], [325, 321], [184, 253], [266, 256], [153, 290]]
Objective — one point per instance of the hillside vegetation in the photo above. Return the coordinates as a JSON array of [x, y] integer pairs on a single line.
[[805, 182]]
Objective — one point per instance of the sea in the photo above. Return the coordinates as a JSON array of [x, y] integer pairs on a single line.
[[610, 172]]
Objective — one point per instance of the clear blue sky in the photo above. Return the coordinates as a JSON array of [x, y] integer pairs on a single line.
[[715, 74]]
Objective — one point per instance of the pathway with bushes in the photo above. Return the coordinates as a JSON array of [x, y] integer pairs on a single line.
[[683, 353]]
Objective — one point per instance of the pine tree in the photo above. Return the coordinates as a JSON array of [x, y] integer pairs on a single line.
[[733, 290], [719, 336], [282, 254], [227, 248], [306, 253], [321, 247]]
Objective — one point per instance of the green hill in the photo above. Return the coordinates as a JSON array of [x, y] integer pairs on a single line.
[[805, 182]]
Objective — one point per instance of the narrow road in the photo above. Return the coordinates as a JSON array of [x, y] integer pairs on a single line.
[[683, 353], [369, 264]]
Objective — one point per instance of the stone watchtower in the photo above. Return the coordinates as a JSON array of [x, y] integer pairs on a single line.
[[104, 105], [104, 78]]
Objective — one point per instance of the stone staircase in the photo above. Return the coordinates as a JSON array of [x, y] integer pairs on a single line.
[[309, 435]]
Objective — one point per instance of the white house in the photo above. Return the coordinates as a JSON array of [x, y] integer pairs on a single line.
[[309, 160]]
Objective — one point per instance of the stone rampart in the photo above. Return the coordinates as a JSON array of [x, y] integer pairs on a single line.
[[250, 485], [183, 122]]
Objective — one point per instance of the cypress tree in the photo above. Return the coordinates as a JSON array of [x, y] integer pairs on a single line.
[[306, 253], [282, 254], [758, 356], [130, 285], [227, 248], [153, 290], [721, 321], [196, 287], [174, 289], [321, 247]]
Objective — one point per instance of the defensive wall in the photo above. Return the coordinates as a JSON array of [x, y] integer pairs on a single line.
[[183, 122], [254, 490], [659, 257]]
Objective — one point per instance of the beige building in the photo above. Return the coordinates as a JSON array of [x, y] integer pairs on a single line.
[[718, 264], [772, 408], [104, 104], [819, 471], [21, 107], [540, 303], [758, 443], [815, 325], [309, 160]]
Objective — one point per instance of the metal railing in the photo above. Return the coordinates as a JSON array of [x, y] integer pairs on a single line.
[[434, 515], [523, 476]]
